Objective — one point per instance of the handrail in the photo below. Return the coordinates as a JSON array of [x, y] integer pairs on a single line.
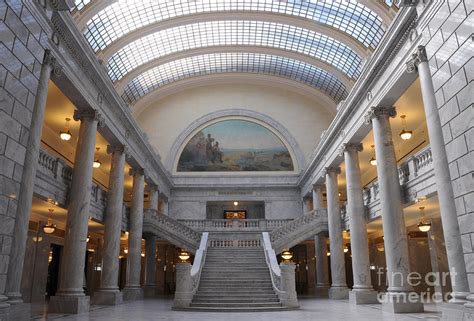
[[199, 260], [272, 263]]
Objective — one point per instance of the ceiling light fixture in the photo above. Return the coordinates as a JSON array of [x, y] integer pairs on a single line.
[[97, 163], [50, 227], [405, 134], [424, 225], [373, 160], [236, 203], [66, 134]]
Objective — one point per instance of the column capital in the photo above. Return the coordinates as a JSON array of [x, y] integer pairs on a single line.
[[117, 148], [374, 112], [136, 171], [417, 57], [49, 59], [332, 169], [318, 185], [152, 187], [90, 114], [351, 147]]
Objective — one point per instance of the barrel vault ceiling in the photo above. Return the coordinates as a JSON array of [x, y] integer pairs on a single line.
[[149, 45]]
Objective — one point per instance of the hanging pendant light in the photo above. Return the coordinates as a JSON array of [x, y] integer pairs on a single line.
[[97, 163], [405, 134], [50, 227], [424, 225], [373, 160], [66, 134]]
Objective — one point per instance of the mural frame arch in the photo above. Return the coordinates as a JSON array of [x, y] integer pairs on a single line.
[[268, 123]]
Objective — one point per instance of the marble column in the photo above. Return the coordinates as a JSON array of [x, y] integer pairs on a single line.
[[25, 197], [150, 266], [362, 291], [322, 271], [452, 234], [307, 205], [70, 297], [133, 290], [153, 191], [400, 296], [109, 293], [311, 268], [318, 196], [338, 289]]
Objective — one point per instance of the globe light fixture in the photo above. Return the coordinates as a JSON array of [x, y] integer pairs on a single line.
[[236, 203], [97, 162], [373, 160], [424, 225], [184, 256], [405, 134], [286, 255], [50, 227], [346, 249], [66, 134]]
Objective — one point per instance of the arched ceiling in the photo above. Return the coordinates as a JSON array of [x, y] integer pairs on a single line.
[[147, 44]]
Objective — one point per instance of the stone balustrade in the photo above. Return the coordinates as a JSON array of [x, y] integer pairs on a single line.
[[173, 231], [298, 230], [254, 225], [53, 182], [416, 178]]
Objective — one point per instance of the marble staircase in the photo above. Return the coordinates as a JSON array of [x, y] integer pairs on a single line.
[[235, 279]]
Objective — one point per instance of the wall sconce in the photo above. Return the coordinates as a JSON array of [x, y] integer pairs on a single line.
[[65, 134]]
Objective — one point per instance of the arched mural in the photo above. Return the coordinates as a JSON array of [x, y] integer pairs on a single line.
[[235, 145]]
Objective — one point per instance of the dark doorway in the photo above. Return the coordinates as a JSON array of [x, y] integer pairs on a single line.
[[54, 258]]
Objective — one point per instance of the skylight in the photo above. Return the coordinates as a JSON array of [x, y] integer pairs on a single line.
[[233, 33], [229, 63], [124, 16]]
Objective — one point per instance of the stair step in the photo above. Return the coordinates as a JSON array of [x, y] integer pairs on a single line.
[[234, 309], [231, 305], [235, 300]]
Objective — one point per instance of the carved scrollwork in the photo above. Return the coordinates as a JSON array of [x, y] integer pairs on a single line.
[[379, 111], [416, 58]]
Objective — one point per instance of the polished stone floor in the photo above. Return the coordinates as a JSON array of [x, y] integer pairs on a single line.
[[311, 309]]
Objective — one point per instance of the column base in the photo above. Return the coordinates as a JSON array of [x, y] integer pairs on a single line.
[[18, 312], [182, 300], [132, 294], [357, 297], [402, 302], [149, 291], [338, 293], [322, 291], [102, 297], [69, 304]]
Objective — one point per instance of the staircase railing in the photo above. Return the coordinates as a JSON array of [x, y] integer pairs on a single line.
[[298, 230], [283, 281], [199, 259], [171, 230]]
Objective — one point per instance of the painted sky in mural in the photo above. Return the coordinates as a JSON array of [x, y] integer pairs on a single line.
[[235, 145]]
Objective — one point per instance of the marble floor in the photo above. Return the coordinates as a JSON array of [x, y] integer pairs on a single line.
[[311, 309]]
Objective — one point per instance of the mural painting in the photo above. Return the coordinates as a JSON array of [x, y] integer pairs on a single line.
[[235, 145]]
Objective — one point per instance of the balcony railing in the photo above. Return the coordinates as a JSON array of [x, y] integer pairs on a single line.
[[223, 225], [416, 179]]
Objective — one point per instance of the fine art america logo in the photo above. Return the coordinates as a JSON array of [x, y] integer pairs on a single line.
[[401, 287]]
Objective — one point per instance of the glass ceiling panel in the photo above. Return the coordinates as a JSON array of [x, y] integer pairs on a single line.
[[229, 63], [80, 4], [233, 33], [125, 16]]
